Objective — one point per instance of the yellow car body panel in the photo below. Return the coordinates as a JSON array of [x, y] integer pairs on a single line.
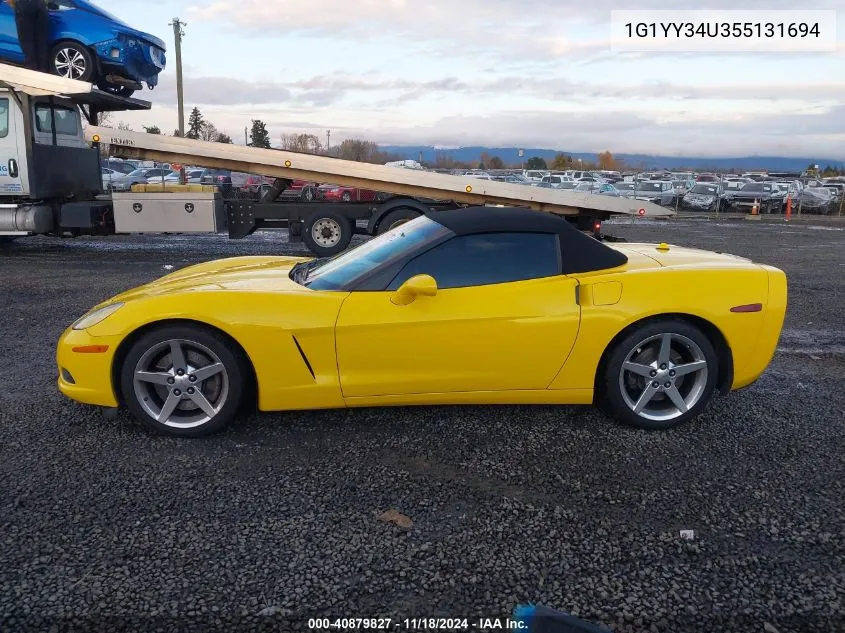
[[537, 341], [511, 336]]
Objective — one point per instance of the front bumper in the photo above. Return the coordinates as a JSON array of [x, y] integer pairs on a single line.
[[85, 376]]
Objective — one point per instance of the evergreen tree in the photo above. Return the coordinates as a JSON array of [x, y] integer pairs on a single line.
[[259, 136], [195, 124]]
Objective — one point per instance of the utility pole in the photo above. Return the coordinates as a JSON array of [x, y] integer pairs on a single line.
[[178, 33], [246, 136], [328, 139]]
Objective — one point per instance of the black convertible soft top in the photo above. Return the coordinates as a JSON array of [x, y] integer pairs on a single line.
[[580, 253]]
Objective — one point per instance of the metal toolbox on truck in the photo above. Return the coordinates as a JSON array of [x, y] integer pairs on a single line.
[[177, 212]]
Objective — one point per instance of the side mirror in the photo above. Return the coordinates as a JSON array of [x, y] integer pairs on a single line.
[[417, 286]]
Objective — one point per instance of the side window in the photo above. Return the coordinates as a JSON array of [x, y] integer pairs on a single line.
[[66, 120], [484, 259], [4, 118]]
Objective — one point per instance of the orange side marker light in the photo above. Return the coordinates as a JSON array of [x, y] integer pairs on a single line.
[[91, 349], [751, 307]]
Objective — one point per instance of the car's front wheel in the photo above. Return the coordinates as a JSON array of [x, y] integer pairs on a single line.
[[183, 380], [72, 61], [660, 375]]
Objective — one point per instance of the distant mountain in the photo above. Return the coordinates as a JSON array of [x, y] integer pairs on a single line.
[[511, 156]]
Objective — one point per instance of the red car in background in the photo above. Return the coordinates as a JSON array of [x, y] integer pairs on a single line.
[[337, 193]]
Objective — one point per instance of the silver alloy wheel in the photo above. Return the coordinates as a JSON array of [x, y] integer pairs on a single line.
[[181, 383], [70, 63], [326, 232], [663, 377]]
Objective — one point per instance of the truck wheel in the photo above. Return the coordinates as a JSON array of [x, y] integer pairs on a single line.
[[327, 233], [72, 61], [396, 218]]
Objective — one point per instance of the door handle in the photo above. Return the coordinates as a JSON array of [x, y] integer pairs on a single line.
[[13, 168]]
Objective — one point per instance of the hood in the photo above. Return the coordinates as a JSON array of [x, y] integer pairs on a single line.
[[245, 274], [90, 7]]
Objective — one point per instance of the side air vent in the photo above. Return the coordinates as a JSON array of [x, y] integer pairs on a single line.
[[304, 358]]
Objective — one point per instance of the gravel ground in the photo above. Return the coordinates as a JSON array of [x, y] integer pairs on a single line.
[[104, 526]]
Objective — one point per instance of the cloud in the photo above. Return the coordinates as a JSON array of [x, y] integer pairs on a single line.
[[820, 134], [331, 89]]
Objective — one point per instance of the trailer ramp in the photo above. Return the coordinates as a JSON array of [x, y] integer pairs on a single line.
[[419, 184]]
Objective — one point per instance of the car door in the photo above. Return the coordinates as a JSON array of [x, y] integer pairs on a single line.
[[502, 319], [10, 48], [13, 168]]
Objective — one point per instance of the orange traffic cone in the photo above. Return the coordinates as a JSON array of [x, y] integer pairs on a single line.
[[755, 210], [788, 207]]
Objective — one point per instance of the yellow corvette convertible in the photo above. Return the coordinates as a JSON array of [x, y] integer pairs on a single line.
[[482, 305]]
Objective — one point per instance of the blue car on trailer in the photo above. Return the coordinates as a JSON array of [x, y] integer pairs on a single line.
[[90, 44]]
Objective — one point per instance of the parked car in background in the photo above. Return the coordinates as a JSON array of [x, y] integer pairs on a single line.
[[534, 175], [124, 182], [657, 191], [89, 44], [304, 190], [838, 189], [555, 180], [598, 188], [769, 197], [192, 177], [514, 179], [625, 188], [338, 193], [108, 175], [704, 196], [817, 200], [708, 178], [478, 174], [120, 166]]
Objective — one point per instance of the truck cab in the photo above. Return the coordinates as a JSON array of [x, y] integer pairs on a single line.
[[50, 176]]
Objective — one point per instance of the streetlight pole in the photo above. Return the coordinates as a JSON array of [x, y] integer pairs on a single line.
[[178, 33]]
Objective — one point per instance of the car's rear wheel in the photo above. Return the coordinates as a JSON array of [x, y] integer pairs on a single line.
[[327, 233], [184, 381], [72, 61], [660, 375]]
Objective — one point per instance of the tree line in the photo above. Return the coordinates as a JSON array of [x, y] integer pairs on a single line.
[[364, 151]]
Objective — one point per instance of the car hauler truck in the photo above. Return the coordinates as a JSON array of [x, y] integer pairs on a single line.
[[51, 183]]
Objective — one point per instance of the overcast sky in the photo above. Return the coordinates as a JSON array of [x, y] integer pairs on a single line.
[[533, 73]]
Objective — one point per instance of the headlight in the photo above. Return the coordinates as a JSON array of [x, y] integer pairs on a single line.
[[97, 316]]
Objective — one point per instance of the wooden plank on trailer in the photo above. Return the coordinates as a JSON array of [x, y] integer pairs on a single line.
[[421, 184]]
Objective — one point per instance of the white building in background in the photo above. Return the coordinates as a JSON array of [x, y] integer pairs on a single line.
[[406, 164]]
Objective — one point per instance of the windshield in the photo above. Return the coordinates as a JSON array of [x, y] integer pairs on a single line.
[[707, 190], [651, 186], [336, 273]]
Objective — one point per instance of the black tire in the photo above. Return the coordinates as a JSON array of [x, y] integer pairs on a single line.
[[67, 51], [228, 400], [120, 91], [334, 230], [396, 218], [701, 385]]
